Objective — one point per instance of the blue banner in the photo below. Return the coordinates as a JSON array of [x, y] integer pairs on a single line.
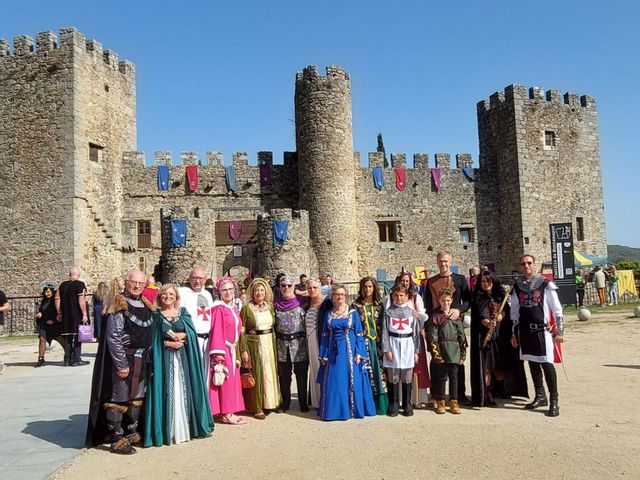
[[378, 178], [280, 228], [163, 177], [230, 175], [178, 233]]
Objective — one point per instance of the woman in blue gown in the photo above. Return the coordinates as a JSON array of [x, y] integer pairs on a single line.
[[346, 390]]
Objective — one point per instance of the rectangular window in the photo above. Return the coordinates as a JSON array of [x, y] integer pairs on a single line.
[[144, 233], [95, 152], [466, 235], [580, 229], [388, 231], [549, 139]]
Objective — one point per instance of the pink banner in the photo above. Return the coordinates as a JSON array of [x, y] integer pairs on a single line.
[[435, 176]]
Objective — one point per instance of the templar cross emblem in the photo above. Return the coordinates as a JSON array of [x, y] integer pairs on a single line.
[[399, 324], [203, 313]]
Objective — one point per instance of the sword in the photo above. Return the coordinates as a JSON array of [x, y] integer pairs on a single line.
[[557, 350], [489, 334]]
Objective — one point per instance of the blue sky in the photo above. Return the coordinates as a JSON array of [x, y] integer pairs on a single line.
[[219, 75]]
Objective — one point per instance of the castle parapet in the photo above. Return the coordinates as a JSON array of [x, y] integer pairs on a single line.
[[290, 158], [536, 94], [443, 160], [162, 158], [189, 158], [420, 161], [463, 160], [398, 160], [136, 158], [215, 158], [265, 158], [311, 74], [46, 41], [376, 159], [23, 45], [240, 159]]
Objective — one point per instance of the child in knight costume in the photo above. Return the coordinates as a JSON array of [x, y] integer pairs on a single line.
[[400, 341], [533, 303], [120, 370], [448, 347]]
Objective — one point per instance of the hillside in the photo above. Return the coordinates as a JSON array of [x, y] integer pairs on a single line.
[[619, 252]]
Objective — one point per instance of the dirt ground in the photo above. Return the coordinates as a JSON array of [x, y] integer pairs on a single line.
[[595, 436]]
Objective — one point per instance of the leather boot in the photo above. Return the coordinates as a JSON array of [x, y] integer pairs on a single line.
[[393, 393], [554, 409], [540, 400], [406, 400], [440, 408], [453, 407]]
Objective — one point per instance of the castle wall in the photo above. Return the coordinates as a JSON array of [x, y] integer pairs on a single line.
[[36, 177], [430, 221], [539, 184], [211, 201]]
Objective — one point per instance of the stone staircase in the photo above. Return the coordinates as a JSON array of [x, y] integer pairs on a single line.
[[97, 218]]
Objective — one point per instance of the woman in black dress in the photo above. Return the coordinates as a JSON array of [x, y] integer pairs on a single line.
[[49, 328], [496, 370]]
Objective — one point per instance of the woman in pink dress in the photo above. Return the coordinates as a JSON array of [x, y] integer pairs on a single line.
[[226, 326]]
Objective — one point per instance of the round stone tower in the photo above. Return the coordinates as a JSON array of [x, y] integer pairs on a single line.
[[326, 167]]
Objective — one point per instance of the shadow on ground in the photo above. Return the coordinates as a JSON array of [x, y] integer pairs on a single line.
[[634, 367], [68, 433]]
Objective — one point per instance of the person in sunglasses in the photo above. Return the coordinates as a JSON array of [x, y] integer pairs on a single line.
[[293, 351], [534, 300]]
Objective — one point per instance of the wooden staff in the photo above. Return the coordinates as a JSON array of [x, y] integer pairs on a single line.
[[489, 334]]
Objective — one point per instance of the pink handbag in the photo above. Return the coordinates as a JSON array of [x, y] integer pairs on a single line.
[[85, 333]]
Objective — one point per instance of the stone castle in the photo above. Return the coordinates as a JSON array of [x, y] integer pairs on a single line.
[[74, 190]]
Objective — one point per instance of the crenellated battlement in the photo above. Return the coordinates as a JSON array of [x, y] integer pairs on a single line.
[[69, 38], [311, 74], [420, 160], [520, 93], [212, 158]]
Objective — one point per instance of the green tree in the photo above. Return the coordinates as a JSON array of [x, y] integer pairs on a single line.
[[381, 149]]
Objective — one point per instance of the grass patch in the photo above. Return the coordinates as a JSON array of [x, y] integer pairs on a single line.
[[623, 307]]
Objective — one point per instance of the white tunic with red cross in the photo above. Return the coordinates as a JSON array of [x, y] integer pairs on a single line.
[[400, 336]]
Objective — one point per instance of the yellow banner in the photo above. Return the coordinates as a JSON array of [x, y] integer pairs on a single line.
[[626, 283]]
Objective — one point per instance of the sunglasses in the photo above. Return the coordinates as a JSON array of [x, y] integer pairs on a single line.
[[286, 285]]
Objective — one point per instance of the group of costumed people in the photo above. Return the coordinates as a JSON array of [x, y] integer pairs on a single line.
[[189, 359]]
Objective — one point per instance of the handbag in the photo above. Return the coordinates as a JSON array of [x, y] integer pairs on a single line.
[[85, 333], [246, 378], [219, 374]]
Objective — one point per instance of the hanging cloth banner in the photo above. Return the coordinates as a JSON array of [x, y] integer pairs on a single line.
[[178, 233], [435, 177], [163, 177], [192, 177], [468, 172], [400, 178], [626, 283], [280, 228], [378, 178], [235, 227], [265, 174], [230, 176]]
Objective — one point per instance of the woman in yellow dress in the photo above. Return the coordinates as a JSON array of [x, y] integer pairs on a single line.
[[258, 349]]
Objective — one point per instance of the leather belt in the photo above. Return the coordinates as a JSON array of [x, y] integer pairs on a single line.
[[203, 335], [401, 335], [261, 332], [537, 327], [290, 336]]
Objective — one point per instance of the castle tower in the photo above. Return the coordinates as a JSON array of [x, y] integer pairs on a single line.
[[177, 262], [292, 257], [327, 168], [68, 113], [539, 164]]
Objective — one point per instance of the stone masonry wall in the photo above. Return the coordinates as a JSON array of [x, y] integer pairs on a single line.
[[36, 178], [212, 200], [430, 221]]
